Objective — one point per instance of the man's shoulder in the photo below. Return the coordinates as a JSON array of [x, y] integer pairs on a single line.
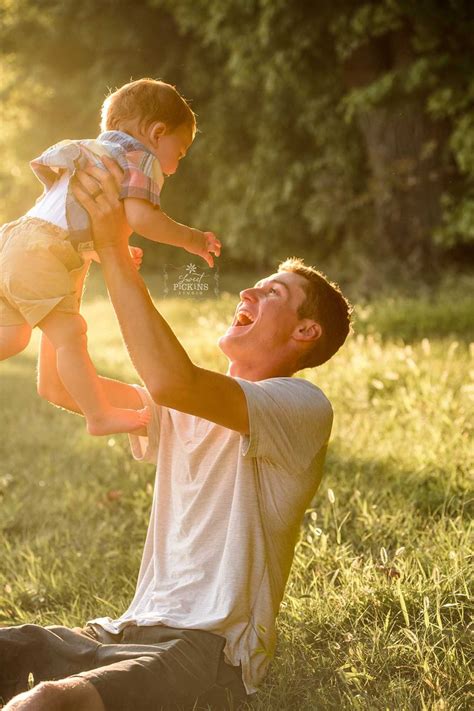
[[292, 383], [295, 390]]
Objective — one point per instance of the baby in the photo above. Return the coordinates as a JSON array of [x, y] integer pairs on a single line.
[[147, 128]]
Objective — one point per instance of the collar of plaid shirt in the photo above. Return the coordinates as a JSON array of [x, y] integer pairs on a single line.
[[127, 142]]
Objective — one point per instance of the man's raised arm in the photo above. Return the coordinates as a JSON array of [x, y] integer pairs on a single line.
[[162, 363]]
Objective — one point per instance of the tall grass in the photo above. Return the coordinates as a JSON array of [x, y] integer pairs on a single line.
[[377, 608]]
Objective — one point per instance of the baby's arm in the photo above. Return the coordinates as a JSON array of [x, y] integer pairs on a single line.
[[153, 224]]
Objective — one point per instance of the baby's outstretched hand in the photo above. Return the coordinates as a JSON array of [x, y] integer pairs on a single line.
[[204, 244], [136, 255]]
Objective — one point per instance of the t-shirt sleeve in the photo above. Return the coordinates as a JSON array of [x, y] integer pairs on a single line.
[[143, 177], [145, 448], [290, 421], [63, 156]]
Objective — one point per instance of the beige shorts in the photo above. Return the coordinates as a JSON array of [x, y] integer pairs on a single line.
[[39, 269]]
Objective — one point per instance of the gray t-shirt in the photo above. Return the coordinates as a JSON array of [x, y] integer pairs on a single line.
[[225, 517]]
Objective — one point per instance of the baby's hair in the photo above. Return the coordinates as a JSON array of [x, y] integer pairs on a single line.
[[146, 100]]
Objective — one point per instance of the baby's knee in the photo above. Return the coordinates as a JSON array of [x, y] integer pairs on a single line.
[[75, 327], [13, 339], [64, 329]]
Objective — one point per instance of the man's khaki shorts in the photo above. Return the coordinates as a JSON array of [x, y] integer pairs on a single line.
[[39, 269]]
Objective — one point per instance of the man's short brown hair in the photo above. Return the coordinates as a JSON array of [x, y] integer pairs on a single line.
[[326, 305], [147, 100]]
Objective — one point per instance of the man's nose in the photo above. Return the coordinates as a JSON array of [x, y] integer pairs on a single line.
[[249, 294]]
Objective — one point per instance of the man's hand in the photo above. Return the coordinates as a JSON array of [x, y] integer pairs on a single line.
[[98, 190]]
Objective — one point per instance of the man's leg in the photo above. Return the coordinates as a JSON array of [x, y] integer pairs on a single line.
[[141, 669], [155, 667], [73, 694], [43, 653]]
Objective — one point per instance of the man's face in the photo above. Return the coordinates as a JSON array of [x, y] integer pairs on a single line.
[[172, 147], [266, 318]]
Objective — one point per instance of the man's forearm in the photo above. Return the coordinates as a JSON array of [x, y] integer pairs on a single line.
[[156, 353]]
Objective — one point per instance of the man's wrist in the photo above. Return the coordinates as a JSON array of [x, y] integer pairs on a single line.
[[80, 280], [113, 251]]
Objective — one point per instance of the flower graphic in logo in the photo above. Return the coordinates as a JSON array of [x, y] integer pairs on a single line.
[[191, 268]]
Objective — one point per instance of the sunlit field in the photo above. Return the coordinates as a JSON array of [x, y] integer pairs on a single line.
[[376, 611]]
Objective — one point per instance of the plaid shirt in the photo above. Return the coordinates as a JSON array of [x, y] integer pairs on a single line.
[[143, 177]]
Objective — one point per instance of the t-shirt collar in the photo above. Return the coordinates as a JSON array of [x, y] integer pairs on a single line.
[[128, 142]]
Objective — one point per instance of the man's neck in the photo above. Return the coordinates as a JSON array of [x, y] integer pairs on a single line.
[[248, 371]]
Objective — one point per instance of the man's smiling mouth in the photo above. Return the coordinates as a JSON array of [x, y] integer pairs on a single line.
[[243, 318]]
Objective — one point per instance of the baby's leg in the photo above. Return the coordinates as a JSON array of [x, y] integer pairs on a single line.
[[13, 339], [67, 333]]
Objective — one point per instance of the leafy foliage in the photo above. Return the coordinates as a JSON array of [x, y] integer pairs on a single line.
[[334, 130]]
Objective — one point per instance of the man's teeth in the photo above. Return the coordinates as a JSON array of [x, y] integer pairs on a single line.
[[244, 319]]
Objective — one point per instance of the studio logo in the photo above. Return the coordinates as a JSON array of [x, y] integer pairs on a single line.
[[190, 281]]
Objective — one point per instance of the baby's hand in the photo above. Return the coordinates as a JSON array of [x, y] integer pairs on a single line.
[[90, 256], [136, 255], [204, 244]]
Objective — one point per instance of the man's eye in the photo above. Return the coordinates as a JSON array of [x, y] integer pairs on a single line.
[[272, 290]]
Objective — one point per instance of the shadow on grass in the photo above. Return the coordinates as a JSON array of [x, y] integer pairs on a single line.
[[431, 492]]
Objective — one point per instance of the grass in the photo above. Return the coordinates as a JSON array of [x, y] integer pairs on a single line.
[[376, 611]]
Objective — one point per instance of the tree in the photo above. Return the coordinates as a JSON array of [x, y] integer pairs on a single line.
[[340, 130], [399, 60]]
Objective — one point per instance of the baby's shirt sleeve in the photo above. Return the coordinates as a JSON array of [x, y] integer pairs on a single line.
[[143, 177], [63, 156]]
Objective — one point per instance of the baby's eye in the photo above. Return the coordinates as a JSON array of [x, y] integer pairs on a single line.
[[272, 290]]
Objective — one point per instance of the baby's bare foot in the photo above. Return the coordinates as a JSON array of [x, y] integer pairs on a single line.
[[115, 420]]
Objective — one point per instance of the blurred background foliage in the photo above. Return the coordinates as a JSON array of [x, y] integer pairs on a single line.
[[339, 130]]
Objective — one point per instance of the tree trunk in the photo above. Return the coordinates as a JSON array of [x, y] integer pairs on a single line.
[[403, 150]]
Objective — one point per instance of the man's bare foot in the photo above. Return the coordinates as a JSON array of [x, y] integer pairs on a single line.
[[115, 420]]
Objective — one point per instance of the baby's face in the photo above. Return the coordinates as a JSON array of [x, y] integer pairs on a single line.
[[172, 147]]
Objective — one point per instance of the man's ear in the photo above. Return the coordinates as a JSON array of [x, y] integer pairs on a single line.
[[156, 130], [307, 330]]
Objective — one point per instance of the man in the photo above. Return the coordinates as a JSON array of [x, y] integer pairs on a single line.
[[239, 458]]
